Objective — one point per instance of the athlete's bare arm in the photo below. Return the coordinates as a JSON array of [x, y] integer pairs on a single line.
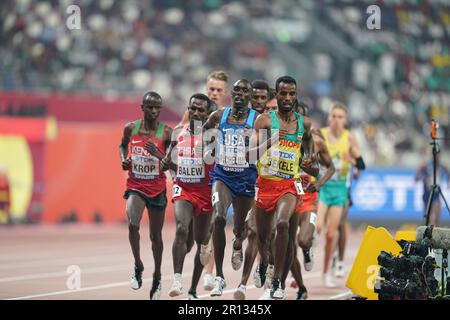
[[309, 163], [167, 162], [168, 158], [325, 160], [153, 149], [354, 146], [355, 153], [257, 147], [213, 120], [307, 137], [123, 147]]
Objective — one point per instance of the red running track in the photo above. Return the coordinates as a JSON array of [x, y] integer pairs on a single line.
[[34, 261]]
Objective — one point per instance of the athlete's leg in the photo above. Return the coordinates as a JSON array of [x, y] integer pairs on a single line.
[[135, 208], [250, 251], [241, 206], [342, 233], [208, 279], [184, 212], [293, 227], [321, 216], [202, 225], [296, 269], [156, 219], [284, 211], [190, 239], [222, 199], [333, 219], [264, 231], [306, 232]]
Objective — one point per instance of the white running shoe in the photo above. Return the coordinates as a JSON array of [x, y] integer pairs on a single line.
[[326, 278], [277, 290], [339, 271], [239, 294], [269, 274], [155, 291], [136, 279], [260, 275], [236, 258], [177, 288], [208, 282], [205, 253], [308, 259], [266, 295], [219, 285], [193, 296]]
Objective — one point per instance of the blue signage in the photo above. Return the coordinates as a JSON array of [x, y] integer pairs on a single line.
[[391, 194]]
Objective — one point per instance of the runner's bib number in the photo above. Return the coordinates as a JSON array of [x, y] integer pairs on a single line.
[[176, 190], [299, 188], [144, 167]]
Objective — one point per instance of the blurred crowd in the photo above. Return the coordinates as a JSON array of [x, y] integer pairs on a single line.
[[399, 80]]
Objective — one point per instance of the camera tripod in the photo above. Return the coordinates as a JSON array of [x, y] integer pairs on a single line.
[[435, 188]]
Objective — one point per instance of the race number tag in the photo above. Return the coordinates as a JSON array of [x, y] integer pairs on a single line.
[[299, 188], [176, 190], [313, 219], [215, 198], [256, 193]]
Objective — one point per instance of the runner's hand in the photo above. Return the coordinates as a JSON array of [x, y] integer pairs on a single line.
[[307, 162], [313, 186], [165, 164], [151, 148], [126, 164]]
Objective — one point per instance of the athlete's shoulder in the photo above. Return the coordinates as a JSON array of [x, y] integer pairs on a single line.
[[262, 119], [166, 127], [317, 134], [306, 122], [351, 136], [217, 114], [129, 126]]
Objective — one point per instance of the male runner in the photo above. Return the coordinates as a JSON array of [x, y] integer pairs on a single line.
[[143, 145], [277, 187], [271, 104], [333, 195], [191, 194], [308, 208], [258, 103], [233, 177], [337, 263], [216, 89]]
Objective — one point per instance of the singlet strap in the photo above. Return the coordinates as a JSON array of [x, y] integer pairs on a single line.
[[225, 114], [250, 119], [137, 125], [300, 125], [160, 131]]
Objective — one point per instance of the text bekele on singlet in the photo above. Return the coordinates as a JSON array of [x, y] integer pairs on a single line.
[[281, 161]]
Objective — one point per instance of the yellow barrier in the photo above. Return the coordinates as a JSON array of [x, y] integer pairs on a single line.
[[405, 235], [365, 269]]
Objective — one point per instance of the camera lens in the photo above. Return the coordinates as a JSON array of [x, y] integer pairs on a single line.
[[385, 259]]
